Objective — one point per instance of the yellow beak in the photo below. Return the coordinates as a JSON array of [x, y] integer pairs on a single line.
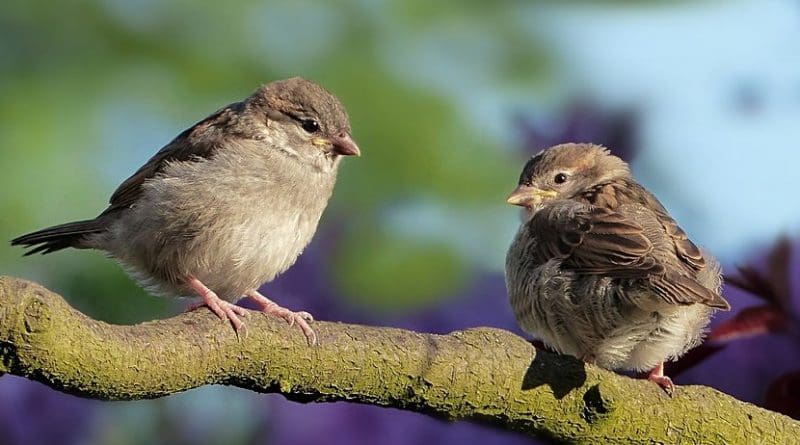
[[529, 196]]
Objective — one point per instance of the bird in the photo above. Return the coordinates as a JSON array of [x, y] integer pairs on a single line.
[[227, 205], [599, 270]]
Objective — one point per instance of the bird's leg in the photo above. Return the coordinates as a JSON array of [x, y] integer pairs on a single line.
[[224, 309], [657, 376], [300, 317]]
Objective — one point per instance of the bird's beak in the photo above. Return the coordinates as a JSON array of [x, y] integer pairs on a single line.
[[343, 144], [529, 196]]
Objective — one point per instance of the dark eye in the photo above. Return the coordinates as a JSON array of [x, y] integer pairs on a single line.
[[310, 125], [560, 178]]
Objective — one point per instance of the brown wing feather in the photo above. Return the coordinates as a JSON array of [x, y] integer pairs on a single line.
[[183, 148], [593, 240], [684, 247], [680, 289], [600, 241], [686, 250]]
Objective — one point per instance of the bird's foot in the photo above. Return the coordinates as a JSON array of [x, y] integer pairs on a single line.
[[657, 376], [225, 310], [301, 318]]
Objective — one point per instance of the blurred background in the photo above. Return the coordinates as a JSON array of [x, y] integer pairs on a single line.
[[447, 100]]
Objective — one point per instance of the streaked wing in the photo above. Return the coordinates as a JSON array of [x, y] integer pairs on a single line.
[[593, 240], [686, 250], [600, 241]]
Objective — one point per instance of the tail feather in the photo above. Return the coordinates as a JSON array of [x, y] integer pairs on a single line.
[[58, 237], [678, 289]]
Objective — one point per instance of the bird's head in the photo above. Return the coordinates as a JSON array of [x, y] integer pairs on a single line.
[[305, 120], [564, 172]]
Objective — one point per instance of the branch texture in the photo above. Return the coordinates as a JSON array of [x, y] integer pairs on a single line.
[[484, 375]]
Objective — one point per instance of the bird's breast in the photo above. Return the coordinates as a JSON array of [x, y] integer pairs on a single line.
[[232, 224]]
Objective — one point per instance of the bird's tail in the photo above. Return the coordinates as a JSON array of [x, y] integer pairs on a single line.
[[59, 237]]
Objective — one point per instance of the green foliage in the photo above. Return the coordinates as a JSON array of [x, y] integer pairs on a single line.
[[395, 273], [92, 89]]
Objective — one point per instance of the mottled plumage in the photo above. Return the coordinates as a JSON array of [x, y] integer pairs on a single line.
[[598, 268], [230, 203]]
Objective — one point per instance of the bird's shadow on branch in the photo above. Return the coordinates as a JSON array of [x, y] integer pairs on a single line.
[[562, 373]]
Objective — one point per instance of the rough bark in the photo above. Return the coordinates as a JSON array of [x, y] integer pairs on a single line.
[[482, 374]]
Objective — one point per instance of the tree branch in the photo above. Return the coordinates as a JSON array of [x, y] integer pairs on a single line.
[[485, 375]]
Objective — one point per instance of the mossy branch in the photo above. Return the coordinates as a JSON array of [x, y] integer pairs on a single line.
[[485, 375]]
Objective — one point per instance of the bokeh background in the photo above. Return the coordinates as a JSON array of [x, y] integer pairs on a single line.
[[447, 100]]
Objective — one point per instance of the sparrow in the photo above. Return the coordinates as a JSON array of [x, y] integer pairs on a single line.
[[227, 205], [599, 269]]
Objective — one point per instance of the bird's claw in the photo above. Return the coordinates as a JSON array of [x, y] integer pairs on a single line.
[[665, 383], [301, 318], [225, 310], [657, 376]]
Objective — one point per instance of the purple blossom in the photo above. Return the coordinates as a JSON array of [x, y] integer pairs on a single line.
[[347, 423], [31, 414], [582, 121]]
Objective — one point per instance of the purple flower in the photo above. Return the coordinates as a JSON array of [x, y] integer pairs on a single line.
[[582, 121], [347, 423], [31, 414]]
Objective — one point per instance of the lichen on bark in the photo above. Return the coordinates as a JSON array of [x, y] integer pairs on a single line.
[[484, 375]]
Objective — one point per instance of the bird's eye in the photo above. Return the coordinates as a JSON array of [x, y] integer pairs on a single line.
[[310, 125], [560, 178]]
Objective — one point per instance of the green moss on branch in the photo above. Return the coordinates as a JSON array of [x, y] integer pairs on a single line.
[[485, 375]]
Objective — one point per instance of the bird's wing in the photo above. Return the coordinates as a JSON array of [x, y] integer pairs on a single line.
[[183, 148], [593, 240], [686, 250], [600, 241]]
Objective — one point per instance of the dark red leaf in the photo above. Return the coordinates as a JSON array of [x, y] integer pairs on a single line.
[[774, 286], [750, 322], [754, 282], [783, 395], [779, 263]]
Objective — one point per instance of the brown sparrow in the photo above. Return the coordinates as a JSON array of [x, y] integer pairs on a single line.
[[226, 206], [598, 268]]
